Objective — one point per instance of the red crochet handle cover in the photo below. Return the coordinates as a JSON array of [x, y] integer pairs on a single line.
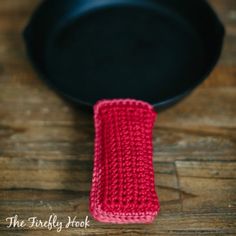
[[123, 188]]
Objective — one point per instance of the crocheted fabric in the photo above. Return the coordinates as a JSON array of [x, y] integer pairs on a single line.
[[123, 189]]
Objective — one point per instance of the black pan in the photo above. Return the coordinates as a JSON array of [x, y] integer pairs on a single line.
[[156, 51], [153, 50]]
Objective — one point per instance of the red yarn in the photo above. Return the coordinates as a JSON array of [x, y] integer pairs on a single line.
[[123, 189]]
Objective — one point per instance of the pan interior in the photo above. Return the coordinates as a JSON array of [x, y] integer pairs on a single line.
[[125, 52]]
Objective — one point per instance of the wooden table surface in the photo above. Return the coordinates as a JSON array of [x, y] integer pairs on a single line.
[[46, 146]]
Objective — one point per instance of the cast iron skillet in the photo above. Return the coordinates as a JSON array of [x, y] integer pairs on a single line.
[[151, 50], [156, 51]]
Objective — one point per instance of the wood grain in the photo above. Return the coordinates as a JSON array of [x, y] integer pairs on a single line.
[[46, 146]]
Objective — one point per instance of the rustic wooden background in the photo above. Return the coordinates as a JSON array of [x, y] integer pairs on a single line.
[[46, 146]]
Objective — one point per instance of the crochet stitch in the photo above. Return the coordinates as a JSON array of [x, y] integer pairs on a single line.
[[123, 188]]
